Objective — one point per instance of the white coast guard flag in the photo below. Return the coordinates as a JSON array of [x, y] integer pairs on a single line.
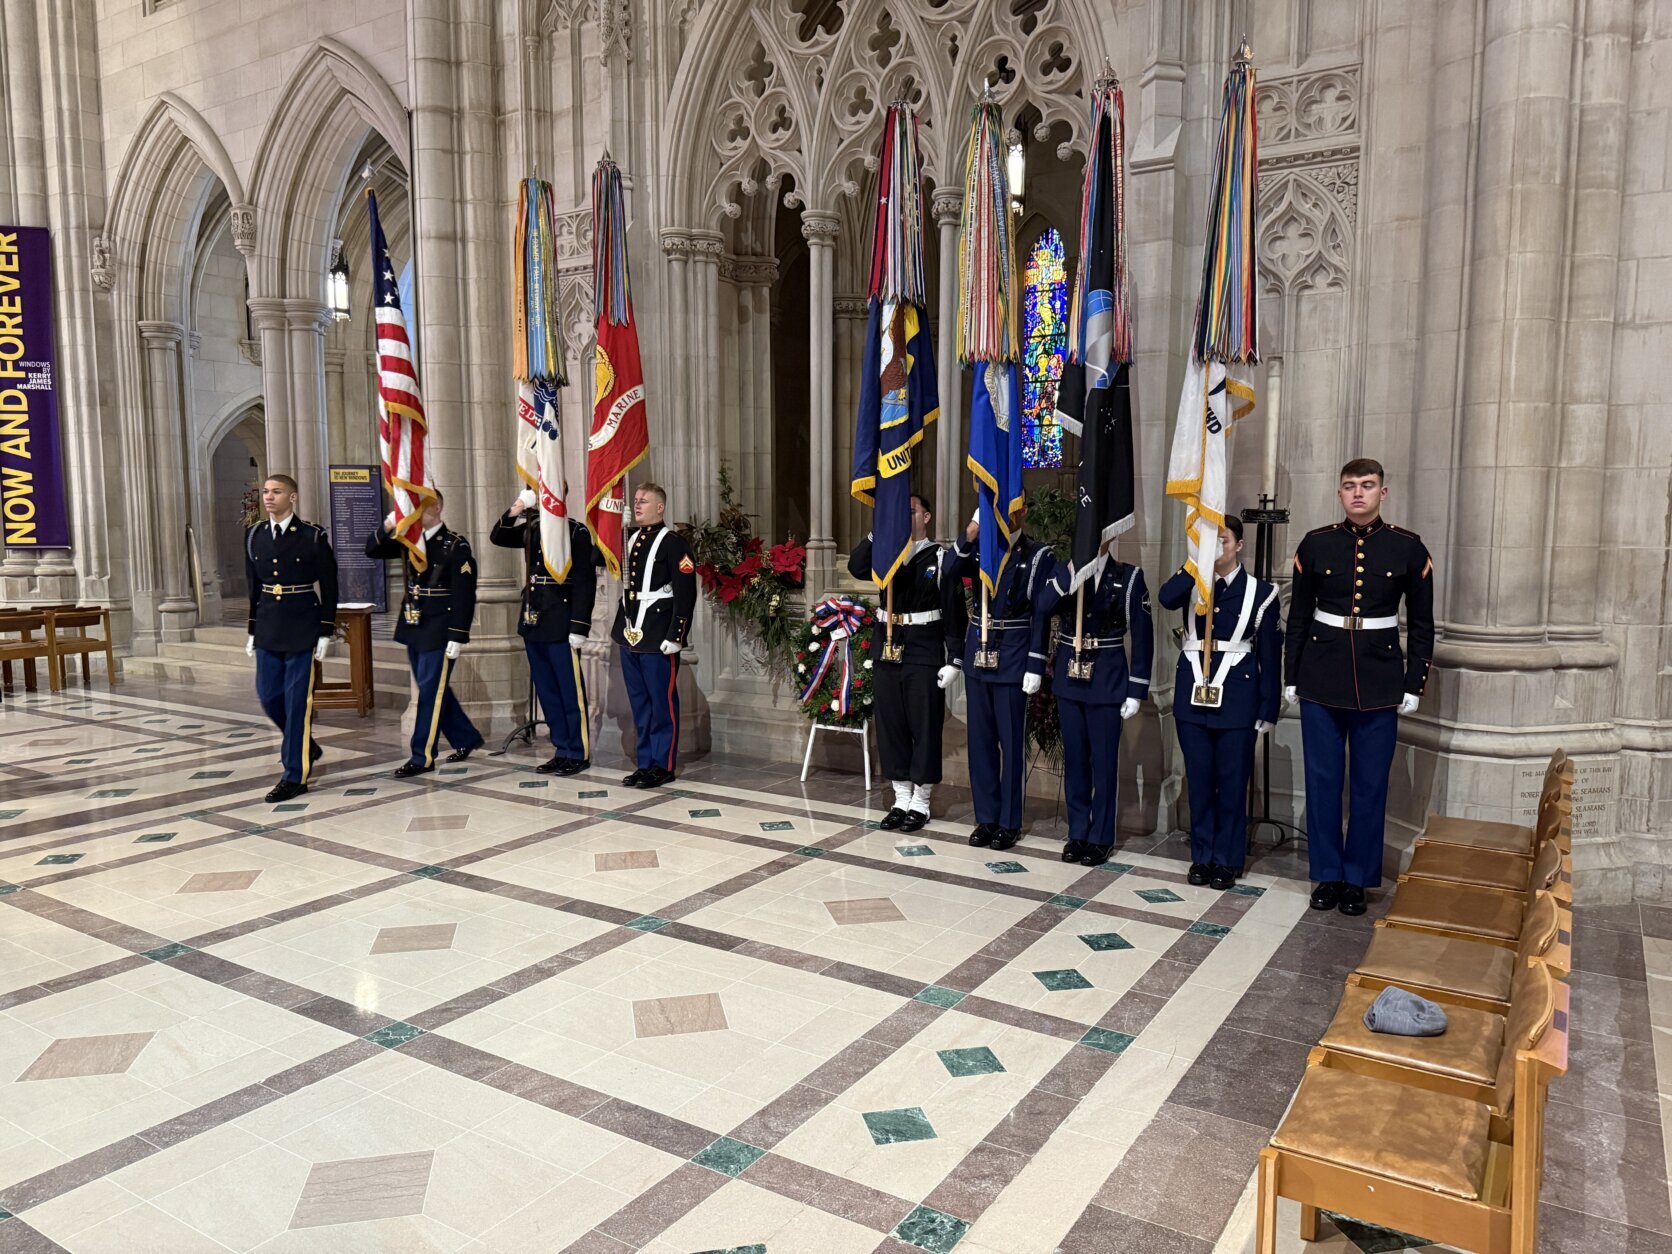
[[540, 466], [1210, 404]]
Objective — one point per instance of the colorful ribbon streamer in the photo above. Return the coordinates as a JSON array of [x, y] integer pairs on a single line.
[[839, 620]]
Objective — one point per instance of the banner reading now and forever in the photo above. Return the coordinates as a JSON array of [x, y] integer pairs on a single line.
[[32, 506]]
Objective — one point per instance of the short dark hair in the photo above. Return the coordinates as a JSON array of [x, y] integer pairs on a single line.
[[1359, 467], [284, 479], [441, 498], [1233, 524], [661, 493], [924, 502]]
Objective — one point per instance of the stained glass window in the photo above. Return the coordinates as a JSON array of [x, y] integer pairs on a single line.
[[1045, 344]]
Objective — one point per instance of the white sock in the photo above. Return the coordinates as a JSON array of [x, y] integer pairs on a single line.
[[902, 794], [920, 798]]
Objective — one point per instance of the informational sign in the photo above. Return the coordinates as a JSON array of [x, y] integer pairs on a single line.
[[356, 512], [33, 514], [1595, 785]]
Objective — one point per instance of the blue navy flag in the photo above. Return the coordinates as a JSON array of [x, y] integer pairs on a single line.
[[995, 459], [898, 399]]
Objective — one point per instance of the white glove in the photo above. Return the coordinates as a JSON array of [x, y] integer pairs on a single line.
[[528, 499], [1030, 684], [321, 648], [249, 646], [390, 521], [1261, 727], [1291, 696], [943, 677], [1409, 704], [576, 640], [454, 648], [1128, 708], [670, 647]]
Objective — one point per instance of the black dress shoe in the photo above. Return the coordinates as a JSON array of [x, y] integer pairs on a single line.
[[1327, 896], [1200, 873], [656, 776], [983, 835], [1223, 877], [315, 753], [1095, 855], [1352, 899], [891, 821], [554, 767], [284, 790], [914, 821], [573, 766], [1007, 837], [406, 770], [636, 779], [1073, 851], [459, 755]]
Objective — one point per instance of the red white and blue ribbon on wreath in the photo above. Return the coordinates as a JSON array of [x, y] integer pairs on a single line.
[[839, 619]]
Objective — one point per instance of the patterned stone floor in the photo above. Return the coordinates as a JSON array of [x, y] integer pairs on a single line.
[[489, 1010]]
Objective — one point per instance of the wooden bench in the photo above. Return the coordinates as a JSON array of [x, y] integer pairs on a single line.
[[1491, 914], [25, 624], [1555, 802], [80, 619]]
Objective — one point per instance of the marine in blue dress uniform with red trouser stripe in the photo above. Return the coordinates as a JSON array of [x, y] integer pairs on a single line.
[[434, 625], [285, 559], [652, 623], [553, 622], [1220, 709], [1353, 682]]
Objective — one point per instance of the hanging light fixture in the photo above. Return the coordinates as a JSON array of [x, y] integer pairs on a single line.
[[337, 283], [1016, 167]]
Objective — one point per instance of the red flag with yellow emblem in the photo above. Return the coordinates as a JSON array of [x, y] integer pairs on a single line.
[[620, 429]]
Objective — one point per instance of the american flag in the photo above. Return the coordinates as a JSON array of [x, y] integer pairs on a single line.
[[401, 427]]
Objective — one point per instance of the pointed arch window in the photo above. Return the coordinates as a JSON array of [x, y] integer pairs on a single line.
[[1044, 346]]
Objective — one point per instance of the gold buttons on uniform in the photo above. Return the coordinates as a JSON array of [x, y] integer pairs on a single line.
[[1361, 570]]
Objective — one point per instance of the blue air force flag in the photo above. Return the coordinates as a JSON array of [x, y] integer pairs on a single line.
[[995, 459]]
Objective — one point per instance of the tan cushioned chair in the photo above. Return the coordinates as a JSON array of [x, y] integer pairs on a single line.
[[1468, 1050]]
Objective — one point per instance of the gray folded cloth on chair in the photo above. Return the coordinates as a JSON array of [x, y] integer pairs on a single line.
[[1400, 1013]]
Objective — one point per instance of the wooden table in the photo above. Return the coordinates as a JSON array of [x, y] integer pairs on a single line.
[[355, 626]]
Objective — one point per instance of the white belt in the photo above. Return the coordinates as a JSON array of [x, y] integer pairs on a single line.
[[917, 619], [1352, 622], [647, 596], [1219, 646], [1230, 649]]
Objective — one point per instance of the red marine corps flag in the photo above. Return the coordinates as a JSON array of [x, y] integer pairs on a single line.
[[620, 431]]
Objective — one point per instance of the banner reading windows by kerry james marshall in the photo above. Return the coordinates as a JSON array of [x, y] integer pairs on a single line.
[[32, 512]]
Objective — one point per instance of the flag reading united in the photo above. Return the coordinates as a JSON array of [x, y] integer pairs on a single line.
[[401, 427]]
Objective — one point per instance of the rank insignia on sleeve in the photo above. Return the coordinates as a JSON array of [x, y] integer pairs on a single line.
[[464, 569], [686, 566]]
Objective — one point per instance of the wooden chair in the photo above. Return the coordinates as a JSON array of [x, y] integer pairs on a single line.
[[1444, 1167], [1501, 871], [28, 646], [80, 619], [1470, 1059], [1473, 913], [1462, 972], [1521, 838]]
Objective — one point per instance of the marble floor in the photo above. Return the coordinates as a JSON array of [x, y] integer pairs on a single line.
[[488, 1010]]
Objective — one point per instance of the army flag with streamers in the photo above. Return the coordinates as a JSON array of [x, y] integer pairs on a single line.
[[620, 436], [537, 362]]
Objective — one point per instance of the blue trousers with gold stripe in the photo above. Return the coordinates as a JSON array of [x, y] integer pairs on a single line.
[[439, 711], [284, 686], [556, 669], [652, 681]]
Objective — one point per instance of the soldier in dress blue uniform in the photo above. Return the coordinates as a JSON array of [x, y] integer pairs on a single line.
[[555, 620], [291, 624], [995, 674], [1345, 667], [1220, 710], [434, 625], [909, 697], [652, 624], [1097, 686]]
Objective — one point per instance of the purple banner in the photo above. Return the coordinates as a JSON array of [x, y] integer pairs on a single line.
[[32, 507]]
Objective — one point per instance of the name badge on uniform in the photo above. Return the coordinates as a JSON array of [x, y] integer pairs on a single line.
[[987, 659], [1208, 696], [1079, 666], [894, 653], [632, 634], [409, 612]]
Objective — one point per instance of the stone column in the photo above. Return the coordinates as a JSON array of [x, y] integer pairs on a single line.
[[268, 319], [706, 251], [176, 611], [851, 314], [672, 454], [753, 278], [305, 325], [819, 228], [949, 440], [339, 438]]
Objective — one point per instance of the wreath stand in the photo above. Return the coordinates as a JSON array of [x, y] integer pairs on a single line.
[[863, 731]]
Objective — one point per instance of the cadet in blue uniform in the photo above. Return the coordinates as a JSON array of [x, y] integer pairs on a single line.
[[434, 625], [909, 698], [1345, 667], [994, 678], [652, 623], [1096, 689], [291, 624], [554, 623], [1221, 710]]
